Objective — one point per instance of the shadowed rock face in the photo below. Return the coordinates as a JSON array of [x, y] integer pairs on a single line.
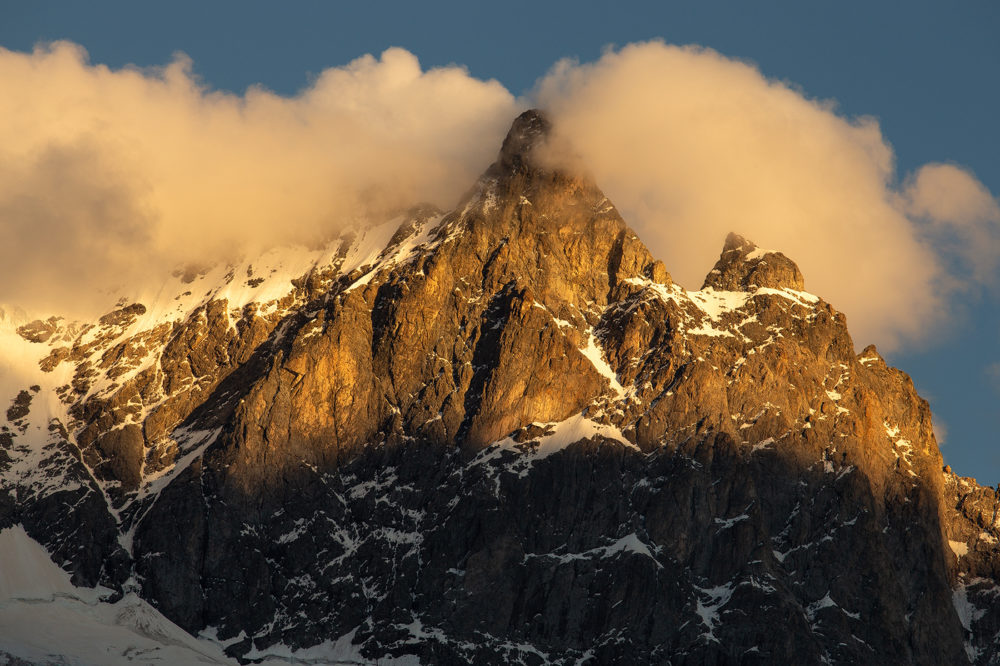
[[509, 437], [972, 526]]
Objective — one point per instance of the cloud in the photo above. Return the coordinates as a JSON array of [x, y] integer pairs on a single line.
[[691, 145], [993, 375], [66, 217], [940, 431], [961, 216], [110, 176]]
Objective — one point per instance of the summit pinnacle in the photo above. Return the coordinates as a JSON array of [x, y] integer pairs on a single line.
[[529, 130], [743, 266]]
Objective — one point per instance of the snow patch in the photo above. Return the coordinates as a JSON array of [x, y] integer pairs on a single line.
[[707, 329], [815, 607], [371, 249], [726, 523], [558, 436], [967, 614], [340, 651], [595, 355], [709, 602], [716, 303], [758, 254], [572, 430], [630, 543]]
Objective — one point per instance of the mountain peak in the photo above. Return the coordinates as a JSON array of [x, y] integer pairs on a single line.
[[735, 242], [330, 446], [528, 130], [743, 266]]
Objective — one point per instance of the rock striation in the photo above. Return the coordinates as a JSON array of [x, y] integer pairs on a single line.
[[503, 434]]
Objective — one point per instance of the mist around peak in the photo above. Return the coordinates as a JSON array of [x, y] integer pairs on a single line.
[[110, 179]]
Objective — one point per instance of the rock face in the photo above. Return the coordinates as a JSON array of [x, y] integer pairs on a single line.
[[743, 266], [973, 532], [502, 434]]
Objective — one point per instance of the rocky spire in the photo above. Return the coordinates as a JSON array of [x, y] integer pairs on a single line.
[[529, 130], [743, 266]]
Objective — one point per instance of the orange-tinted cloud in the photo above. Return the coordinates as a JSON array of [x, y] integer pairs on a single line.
[[691, 145], [107, 177], [111, 177]]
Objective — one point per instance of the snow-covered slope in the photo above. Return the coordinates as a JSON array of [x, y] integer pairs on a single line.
[[45, 619]]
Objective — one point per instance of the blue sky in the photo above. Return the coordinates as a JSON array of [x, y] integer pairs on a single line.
[[928, 72]]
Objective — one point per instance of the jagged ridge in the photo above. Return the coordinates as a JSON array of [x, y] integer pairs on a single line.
[[506, 436]]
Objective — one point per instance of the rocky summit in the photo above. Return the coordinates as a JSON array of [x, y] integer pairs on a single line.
[[501, 435]]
